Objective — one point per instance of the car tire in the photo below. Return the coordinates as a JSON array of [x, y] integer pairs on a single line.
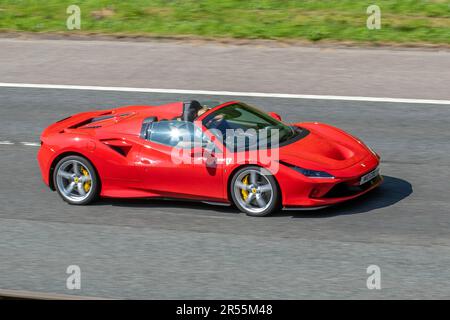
[[76, 180], [254, 191]]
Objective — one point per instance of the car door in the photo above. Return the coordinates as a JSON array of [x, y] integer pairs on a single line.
[[172, 164]]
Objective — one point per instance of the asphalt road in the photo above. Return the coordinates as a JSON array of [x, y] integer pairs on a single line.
[[174, 249], [422, 74]]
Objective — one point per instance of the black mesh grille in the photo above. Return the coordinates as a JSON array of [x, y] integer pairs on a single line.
[[342, 190]]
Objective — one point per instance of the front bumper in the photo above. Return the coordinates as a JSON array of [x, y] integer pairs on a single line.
[[341, 192], [301, 192]]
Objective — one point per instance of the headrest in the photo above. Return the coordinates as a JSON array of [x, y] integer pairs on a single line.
[[146, 125], [190, 109]]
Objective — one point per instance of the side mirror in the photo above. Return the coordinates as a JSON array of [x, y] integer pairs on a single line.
[[275, 115], [201, 152]]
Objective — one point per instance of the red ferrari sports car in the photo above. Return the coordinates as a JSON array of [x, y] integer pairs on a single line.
[[218, 154]]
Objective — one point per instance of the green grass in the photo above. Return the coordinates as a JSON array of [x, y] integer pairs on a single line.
[[403, 21]]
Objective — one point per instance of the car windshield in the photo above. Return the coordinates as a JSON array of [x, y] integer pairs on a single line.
[[237, 121]]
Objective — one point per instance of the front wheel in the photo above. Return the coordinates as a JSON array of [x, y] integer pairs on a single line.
[[254, 191], [76, 181]]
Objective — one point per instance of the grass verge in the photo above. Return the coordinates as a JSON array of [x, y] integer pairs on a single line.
[[406, 21]]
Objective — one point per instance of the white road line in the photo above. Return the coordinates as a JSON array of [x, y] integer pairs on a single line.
[[224, 93], [24, 143], [30, 144]]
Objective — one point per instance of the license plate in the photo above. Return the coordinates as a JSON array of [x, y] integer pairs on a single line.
[[369, 176]]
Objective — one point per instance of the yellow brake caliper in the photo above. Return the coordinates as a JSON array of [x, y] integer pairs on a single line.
[[245, 192], [87, 184]]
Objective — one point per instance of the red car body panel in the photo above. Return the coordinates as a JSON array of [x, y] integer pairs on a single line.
[[131, 167]]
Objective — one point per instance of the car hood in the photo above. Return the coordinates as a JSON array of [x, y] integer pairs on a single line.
[[324, 148]]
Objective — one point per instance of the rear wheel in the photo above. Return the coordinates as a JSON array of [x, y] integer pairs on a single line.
[[254, 191], [76, 181]]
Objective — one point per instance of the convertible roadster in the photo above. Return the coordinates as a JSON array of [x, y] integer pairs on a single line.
[[212, 154]]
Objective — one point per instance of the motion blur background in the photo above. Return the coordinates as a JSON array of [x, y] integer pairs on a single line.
[[173, 249], [405, 21]]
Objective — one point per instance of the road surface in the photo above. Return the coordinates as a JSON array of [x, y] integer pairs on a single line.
[[180, 250]]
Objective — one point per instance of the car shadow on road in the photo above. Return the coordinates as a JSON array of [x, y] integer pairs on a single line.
[[391, 191], [157, 203]]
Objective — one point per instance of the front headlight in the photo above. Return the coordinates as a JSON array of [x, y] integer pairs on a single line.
[[313, 173], [310, 173]]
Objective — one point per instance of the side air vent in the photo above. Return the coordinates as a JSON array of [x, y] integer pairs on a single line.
[[120, 150], [120, 146]]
